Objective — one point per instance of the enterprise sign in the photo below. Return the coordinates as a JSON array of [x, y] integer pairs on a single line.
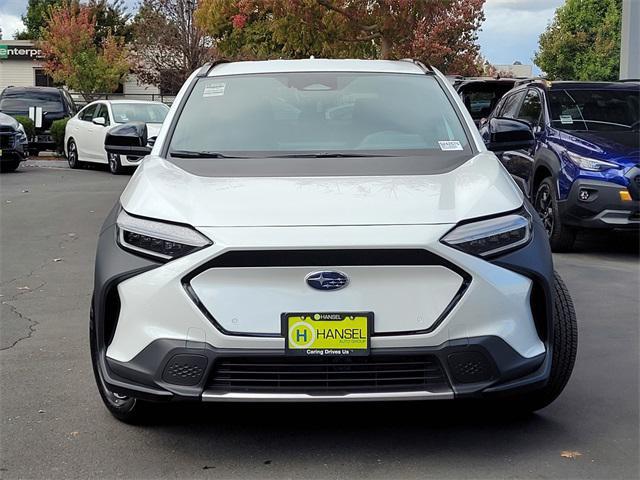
[[23, 52]]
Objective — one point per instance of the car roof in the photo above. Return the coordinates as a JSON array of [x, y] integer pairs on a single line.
[[316, 65], [577, 85], [124, 100], [591, 85], [12, 89]]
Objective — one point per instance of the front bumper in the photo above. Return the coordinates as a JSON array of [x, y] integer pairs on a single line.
[[598, 204], [169, 369], [145, 318], [10, 148]]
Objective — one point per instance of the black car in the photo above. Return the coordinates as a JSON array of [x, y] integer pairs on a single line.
[[55, 103], [583, 169], [480, 95], [13, 143]]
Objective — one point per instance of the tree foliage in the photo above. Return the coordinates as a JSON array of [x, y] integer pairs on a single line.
[[583, 41], [441, 32], [167, 44], [35, 18], [72, 55], [109, 15]]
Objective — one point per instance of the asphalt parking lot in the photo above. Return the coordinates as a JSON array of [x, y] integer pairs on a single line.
[[54, 424]]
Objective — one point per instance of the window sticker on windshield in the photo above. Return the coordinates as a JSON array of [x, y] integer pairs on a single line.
[[450, 145], [566, 119], [213, 90]]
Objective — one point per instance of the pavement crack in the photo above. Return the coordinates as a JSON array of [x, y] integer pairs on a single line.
[[31, 326]]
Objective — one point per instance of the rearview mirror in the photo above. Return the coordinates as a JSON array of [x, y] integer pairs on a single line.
[[509, 134], [99, 121], [128, 139]]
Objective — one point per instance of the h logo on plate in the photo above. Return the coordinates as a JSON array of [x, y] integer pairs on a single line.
[[301, 336]]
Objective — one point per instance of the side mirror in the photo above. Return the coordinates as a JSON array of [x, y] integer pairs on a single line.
[[509, 134], [128, 139], [99, 121]]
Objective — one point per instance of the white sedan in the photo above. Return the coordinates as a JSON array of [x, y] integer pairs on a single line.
[[85, 132]]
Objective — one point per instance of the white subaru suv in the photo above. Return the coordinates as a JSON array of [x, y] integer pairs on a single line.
[[325, 230]]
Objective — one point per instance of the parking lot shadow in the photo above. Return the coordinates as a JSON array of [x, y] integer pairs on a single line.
[[615, 242], [216, 434]]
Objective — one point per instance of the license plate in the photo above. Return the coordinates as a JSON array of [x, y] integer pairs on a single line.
[[327, 333]]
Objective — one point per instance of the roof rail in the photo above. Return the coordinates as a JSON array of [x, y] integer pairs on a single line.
[[629, 80], [424, 66], [207, 67], [525, 81]]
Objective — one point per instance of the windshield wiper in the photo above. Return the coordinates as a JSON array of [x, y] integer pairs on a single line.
[[195, 154], [327, 155]]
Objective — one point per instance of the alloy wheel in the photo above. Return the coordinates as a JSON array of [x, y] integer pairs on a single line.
[[72, 156], [544, 207]]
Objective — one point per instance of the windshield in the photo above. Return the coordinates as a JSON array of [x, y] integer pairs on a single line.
[[595, 110], [19, 102], [139, 112], [324, 113]]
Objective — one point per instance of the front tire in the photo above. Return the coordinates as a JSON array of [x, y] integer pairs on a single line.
[[9, 166], [126, 409], [564, 347], [561, 237], [115, 166], [72, 155]]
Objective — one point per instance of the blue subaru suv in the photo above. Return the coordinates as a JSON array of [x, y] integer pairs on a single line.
[[582, 170]]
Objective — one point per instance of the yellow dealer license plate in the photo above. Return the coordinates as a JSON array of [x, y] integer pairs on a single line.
[[327, 333]]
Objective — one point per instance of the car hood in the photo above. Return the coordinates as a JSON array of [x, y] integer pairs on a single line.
[[153, 129], [7, 122], [161, 189], [622, 147]]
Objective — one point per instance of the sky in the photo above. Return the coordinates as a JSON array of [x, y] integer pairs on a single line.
[[510, 32]]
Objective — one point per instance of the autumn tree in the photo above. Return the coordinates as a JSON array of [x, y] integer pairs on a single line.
[[441, 32], [583, 41], [168, 45], [260, 29], [72, 56]]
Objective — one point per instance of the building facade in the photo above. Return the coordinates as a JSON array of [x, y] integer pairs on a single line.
[[21, 66]]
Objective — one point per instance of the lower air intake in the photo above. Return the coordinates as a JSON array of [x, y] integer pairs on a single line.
[[281, 374]]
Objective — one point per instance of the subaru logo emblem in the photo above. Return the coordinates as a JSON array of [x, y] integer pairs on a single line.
[[327, 280]]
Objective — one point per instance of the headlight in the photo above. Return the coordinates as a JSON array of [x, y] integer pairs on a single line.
[[491, 236], [23, 133], [590, 164], [158, 239]]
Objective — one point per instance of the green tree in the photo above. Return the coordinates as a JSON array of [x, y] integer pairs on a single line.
[[35, 18], [111, 17], [583, 41]]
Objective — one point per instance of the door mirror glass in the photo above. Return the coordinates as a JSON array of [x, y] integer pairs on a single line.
[[100, 121], [128, 139], [509, 134]]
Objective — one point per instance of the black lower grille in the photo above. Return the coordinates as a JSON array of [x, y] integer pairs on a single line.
[[333, 375], [6, 141]]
